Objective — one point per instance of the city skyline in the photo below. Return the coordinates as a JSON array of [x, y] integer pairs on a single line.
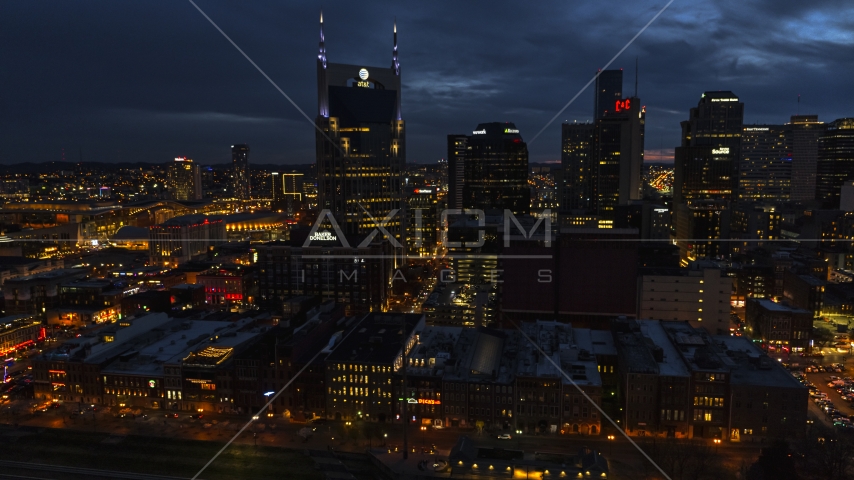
[[149, 113]]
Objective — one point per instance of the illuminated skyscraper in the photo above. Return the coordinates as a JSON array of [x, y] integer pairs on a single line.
[[805, 131], [360, 142], [835, 161], [618, 151], [287, 191], [496, 170], [457, 145], [765, 170], [578, 165], [240, 171], [184, 180], [706, 164]]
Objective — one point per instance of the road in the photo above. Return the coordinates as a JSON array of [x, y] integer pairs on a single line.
[[34, 471], [279, 432]]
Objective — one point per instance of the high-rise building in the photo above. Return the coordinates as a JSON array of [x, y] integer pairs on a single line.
[[457, 145], [699, 226], [602, 161], [185, 238], [240, 171], [287, 191], [804, 131], [496, 169], [706, 164], [421, 220], [835, 161], [578, 165], [184, 180], [609, 89], [618, 152], [765, 166], [361, 150]]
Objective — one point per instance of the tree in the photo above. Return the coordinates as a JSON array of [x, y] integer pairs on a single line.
[[775, 463]]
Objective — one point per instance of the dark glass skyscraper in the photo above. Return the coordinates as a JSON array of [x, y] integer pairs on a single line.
[[618, 152], [496, 170], [457, 147], [602, 161], [360, 143], [835, 161], [240, 171], [609, 88], [706, 163], [577, 161]]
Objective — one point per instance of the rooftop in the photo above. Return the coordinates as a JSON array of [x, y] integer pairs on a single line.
[[376, 339]]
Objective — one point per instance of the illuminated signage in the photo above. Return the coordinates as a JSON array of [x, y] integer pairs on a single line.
[[152, 383], [479, 132], [511, 130], [323, 236], [724, 99], [363, 84], [424, 401], [623, 105], [363, 74], [720, 151], [756, 129], [423, 190]]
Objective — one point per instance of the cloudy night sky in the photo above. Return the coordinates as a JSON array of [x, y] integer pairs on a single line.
[[148, 81]]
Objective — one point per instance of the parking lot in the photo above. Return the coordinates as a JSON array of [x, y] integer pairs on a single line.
[[831, 393]]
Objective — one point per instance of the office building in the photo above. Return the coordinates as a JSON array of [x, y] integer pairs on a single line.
[[360, 371], [765, 166], [422, 220], [804, 292], [496, 170], [835, 162], [805, 131], [287, 192], [609, 89], [457, 146], [699, 228], [361, 147], [618, 152], [240, 172], [184, 180], [566, 279], [779, 326], [460, 305], [185, 238], [578, 165], [699, 294], [322, 265], [706, 163]]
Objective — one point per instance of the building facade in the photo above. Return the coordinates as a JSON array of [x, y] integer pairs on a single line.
[[241, 186], [361, 146], [184, 180]]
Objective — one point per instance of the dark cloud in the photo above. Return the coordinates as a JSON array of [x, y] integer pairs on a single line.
[[150, 80]]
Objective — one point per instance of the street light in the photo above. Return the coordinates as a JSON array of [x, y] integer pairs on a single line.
[[610, 444], [717, 442]]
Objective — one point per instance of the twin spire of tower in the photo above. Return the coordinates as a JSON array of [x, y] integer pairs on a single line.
[[395, 64], [321, 54]]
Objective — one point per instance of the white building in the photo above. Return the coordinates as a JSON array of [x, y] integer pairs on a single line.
[[699, 294]]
